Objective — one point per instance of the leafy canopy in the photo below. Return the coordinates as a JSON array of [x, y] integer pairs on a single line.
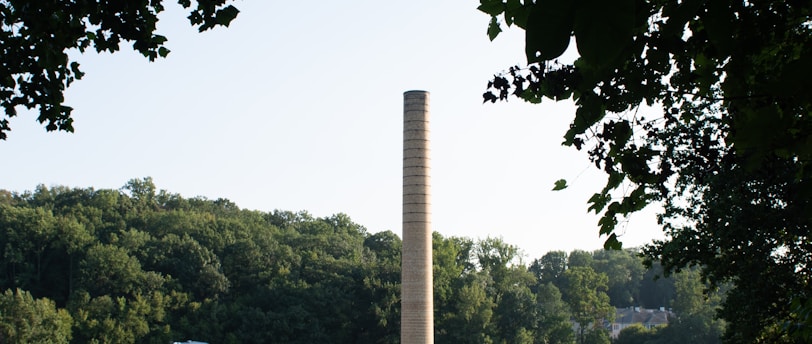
[[703, 106], [727, 76], [36, 36]]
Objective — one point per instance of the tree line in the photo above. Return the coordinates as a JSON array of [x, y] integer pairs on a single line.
[[139, 265]]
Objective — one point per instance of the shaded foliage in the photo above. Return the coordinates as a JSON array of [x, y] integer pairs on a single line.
[[37, 36], [700, 105]]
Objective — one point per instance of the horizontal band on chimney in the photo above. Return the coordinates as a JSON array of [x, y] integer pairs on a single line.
[[416, 144]]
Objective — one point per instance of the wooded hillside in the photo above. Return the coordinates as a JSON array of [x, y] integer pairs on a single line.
[[139, 265]]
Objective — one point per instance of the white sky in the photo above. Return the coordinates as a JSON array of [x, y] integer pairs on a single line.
[[298, 106]]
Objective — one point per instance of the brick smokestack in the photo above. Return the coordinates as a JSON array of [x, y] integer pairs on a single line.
[[417, 298]]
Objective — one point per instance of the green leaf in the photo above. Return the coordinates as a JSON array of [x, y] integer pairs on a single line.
[[612, 243], [159, 39], [608, 221], [493, 28], [549, 28], [516, 13], [635, 165], [162, 51], [598, 201], [613, 181], [589, 112], [560, 184], [491, 7], [678, 15], [603, 29], [621, 132], [635, 201], [719, 25], [226, 15], [74, 67]]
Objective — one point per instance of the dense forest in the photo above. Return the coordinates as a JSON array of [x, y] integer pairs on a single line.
[[139, 265]]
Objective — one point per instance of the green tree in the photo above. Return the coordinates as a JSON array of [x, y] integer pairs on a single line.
[[745, 229], [732, 68], [39, 250], [580, 258], [553, 318], [696, 305], [28, 234], [191, 266], [585, 292], [471, 314], [381, 285], [496, 255], [597, 335], [516, 310], [550, 267], [142, 191], [446, 272], [107, 319], [37, 36], [249, 264], [24, 319], [656, 289], [691, 329], [483, 292], [625, 271], [515, 303], [110, 270], [690, 295], [387, 246], [728, 150], [156, 272], [636, 334]]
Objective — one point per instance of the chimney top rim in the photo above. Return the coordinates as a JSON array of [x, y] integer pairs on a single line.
[[416, 91]]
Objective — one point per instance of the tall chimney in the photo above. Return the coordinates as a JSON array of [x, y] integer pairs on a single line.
[[417, 298]]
